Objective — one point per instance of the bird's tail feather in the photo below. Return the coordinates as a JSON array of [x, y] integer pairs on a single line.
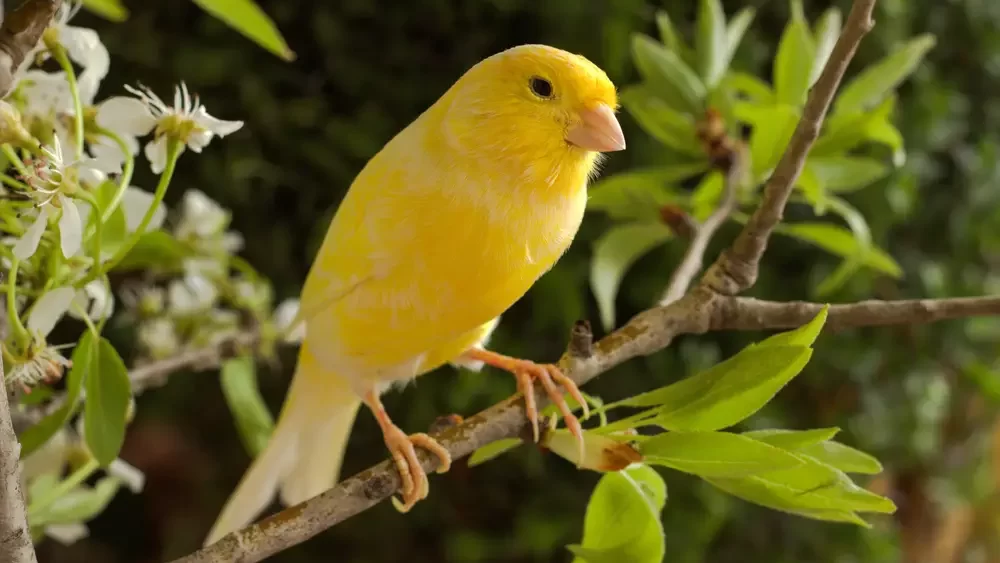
[[302, 458]]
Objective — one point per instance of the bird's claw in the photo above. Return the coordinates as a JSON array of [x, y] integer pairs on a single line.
[[550, 376], [414, 478]]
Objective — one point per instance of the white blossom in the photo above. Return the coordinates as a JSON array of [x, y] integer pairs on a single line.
[[135, 203], [284, 314], [49, 309], [186, 121], [159, 337], [94, 300], [129, 475], [83, 46]]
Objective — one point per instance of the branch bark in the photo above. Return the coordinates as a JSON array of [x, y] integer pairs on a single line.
[[694, 312], [691, 264], [15, 536]]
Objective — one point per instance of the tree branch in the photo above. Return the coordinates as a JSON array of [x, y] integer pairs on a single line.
[[691, 264], [747, 313], [694, 313], [19, 35], [736, 269]]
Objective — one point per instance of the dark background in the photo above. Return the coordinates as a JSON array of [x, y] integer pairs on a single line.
[[365, 68]]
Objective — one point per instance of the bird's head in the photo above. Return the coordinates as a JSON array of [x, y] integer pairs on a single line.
[[534, 101]]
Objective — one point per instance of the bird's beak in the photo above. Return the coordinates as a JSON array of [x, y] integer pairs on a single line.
[[598, 130]]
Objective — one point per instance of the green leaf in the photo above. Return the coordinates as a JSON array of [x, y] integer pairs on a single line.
[[111, 10], [726, 393], [80, 504], [827, 33], [792, 439], [614, 254], [108, 393], [710, 42], [773, 127], [706, 196], [844, 458], [735, 31], [659, 119], [878, 80], [253, 419], [157, 250], [846, 173], [622, 524], [492, 450], [37, 435], [794, 61], [668, 75], [246, 17], [755, 90], [840, 241], [810, 486], [805, 335], [639, 193], [114, 233], [671, 39], [715, 454], [846, 130]]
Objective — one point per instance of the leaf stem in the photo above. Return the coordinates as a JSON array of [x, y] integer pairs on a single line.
[[65, 486], [125, 179], [59, 53], [20, 333]]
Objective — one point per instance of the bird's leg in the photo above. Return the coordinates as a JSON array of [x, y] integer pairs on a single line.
[[401, 446], [526, 372]]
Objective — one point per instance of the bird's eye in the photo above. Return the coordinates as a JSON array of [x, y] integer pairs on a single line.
[[541, 87]]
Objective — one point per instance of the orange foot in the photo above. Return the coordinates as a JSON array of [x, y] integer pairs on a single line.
[[404, 454], [548, 375]]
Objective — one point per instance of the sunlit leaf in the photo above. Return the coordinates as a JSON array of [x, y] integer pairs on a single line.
[[804, 335], [622, 524], [37, 435], [79, 504], [838, 240], [671, 39], [663, 122], [157, 250], [710, 45], [827, 33], [846, 173], [844, 458], [715, 454], [246, 17], [668, 75], [705, 198], [878, 80], [753, 89], [773, 127], [111, 10], [492, 450], [794, 61], [735, 31], [792, 439], [641, 192], [253, 419], [614, 254], [108, 393]]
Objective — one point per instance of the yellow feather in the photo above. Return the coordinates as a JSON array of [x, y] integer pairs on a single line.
[[443, 230]]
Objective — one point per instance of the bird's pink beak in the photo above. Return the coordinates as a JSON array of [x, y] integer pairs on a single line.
[[598, 130]]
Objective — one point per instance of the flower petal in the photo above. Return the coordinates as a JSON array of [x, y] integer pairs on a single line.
[[70, 227], [284, 314], [135, 203], [49, 309], [156, 153], [217, 126], [130, 476], [28, 243], [125, 115], [67, 534]]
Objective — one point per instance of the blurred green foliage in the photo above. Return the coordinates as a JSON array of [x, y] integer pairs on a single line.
[[922, 399]]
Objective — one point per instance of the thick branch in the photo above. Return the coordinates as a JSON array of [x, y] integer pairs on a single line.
[[19, 35], [691, 264], [15, 536], [746, 313], [736, 269]]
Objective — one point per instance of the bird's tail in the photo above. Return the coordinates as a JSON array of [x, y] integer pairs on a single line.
[[302, 457]]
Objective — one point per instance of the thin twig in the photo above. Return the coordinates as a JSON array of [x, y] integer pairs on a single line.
[[736, 269], [691, 264], [647, 332], [747, 313]]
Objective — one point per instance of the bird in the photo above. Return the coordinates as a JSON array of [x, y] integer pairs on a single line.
[[443, 230]]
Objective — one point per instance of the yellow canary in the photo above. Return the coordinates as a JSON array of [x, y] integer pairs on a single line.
[[442, 231]]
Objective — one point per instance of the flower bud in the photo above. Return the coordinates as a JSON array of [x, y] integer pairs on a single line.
[[601, 453]]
